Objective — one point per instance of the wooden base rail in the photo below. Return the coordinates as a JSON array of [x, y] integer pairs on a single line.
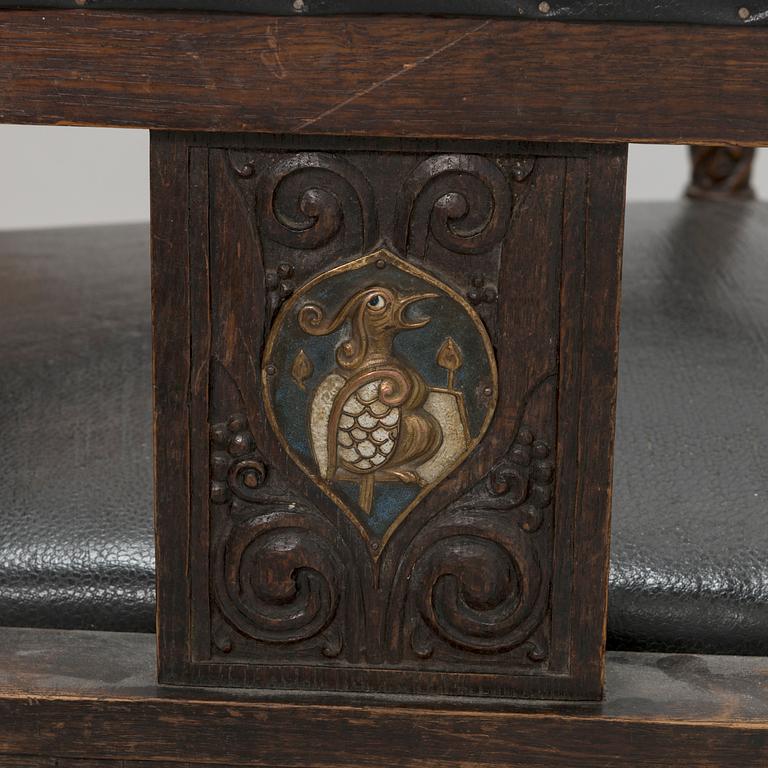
[[72, 695]]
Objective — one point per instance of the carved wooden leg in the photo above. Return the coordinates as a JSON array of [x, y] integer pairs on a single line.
[[385, 381], [721, 173]]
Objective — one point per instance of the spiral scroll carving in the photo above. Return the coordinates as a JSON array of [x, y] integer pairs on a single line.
[[304, 201], [463, 201], [237, 469], [478, 586], [278, 578], [477, 578]]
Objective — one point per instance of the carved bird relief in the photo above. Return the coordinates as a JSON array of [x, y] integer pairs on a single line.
[[377, 428], [379, 380]]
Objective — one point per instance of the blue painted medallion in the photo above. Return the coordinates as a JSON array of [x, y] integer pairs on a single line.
[[379, 380]]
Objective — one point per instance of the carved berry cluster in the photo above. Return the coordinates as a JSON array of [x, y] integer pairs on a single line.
[[279, 280], [525, 478], [236, 468], [481, 291]]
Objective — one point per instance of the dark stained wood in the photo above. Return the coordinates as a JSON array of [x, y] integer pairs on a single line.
[[171, 376], [77, 694], [386, 75], [530, 235], [598, 368], [721, 173]]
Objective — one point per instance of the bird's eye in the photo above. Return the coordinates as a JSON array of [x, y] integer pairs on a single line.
[[376, 301]]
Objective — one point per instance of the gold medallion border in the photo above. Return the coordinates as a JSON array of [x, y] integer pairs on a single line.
[[381, 254]]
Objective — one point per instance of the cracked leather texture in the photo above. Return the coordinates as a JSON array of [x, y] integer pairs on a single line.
[[721, 12], [689, 564]]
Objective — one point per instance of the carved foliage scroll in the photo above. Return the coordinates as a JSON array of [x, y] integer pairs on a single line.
[[477, 577], [465, 584], [464, 202], [278, 577], [305, 200]]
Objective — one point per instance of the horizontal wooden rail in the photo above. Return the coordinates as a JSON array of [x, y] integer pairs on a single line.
[[73, 695], [387, 76]]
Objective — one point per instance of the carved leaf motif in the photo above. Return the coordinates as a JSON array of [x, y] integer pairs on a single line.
[[449, 357], [301, 369]]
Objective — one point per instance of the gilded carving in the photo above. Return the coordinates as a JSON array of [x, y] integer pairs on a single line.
[[301, 369], [385, 414], [384, 402]]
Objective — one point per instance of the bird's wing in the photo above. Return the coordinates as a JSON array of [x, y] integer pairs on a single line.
[[367, 430]]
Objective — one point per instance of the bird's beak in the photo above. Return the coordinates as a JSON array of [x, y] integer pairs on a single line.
[[406, 302]]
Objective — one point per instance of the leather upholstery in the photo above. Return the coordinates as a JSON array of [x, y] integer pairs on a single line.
[[689, 567], [724, 12], [76, 541]]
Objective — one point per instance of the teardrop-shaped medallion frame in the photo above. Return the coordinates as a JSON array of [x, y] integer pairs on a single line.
[[381, 257]]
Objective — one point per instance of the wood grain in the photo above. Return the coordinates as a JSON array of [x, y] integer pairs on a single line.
[[386, 75], [721, 173], [530, 235], [78, 694], [170, 365]]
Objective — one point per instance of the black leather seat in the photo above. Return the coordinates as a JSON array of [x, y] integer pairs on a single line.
[[689, 566], [76, 541]]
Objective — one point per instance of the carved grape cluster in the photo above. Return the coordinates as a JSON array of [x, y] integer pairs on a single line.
[[481, 290], [524, 478], [279, 280], [237, 469]]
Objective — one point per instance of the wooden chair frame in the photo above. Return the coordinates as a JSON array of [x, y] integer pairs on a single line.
[[86, 699]]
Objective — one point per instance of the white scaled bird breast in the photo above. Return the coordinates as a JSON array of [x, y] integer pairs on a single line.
[[368, 429]]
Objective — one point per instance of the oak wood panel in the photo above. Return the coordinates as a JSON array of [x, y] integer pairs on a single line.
[[721, 173], [386, 75], [170, 364], [530, 236], [78, 694]]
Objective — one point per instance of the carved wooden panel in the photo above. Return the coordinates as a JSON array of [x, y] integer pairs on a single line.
[[721, 173], [386, 378]]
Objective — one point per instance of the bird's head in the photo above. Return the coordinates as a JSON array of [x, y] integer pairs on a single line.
[[384, 310], [377, 315]]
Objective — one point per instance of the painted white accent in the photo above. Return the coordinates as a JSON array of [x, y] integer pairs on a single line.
[[369, 392], [366, 449], [366, 421], [353, 406], [319, 416], [377, 408], [379, 435], [445, 408], [391, 418]]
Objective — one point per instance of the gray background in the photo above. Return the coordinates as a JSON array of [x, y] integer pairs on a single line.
[[59, 176]]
